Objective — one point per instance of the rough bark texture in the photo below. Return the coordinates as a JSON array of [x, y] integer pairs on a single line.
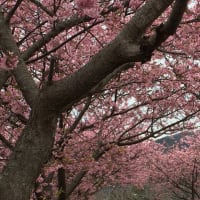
[[31, 151], [61, 184]]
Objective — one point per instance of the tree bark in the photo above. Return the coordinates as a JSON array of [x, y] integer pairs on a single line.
[[32, 150], [61, 184]]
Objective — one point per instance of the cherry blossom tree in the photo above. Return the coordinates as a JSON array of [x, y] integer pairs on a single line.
[[83, 82], [175, 174]]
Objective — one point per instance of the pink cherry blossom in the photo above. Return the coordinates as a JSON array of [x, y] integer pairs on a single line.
[[85, 4], [95, 83], [8, 62]]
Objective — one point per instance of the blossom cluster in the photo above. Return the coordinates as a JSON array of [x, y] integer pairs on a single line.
[[8, 62]]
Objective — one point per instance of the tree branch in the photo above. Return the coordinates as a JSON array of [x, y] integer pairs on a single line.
[[61, 184], [4, 141], [12, 11], [28, 34], [109, 58], [22, 75], [75, 182], [53, 62], [165, 30], [58, 28], [42, 7], [63, 43], [4, 75]]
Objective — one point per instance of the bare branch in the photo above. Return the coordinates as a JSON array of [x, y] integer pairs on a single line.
[[42, 7], [75, 182], [58, 28], [63, 43], [129, 140], [28, 34], [74, 125]]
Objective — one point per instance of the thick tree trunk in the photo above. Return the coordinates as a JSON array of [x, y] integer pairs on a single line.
[[32, 150]]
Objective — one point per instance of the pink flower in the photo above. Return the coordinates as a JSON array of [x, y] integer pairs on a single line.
[[91, 12], [134, 4], [85, 4], [8, 62], [88, 7], [3, 63]]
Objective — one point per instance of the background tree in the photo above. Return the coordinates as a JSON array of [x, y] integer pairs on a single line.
[[77, 85], [174, 174]]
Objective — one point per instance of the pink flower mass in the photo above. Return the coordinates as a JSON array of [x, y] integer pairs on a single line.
[[83, 4], [88, 88], [8, 62]]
